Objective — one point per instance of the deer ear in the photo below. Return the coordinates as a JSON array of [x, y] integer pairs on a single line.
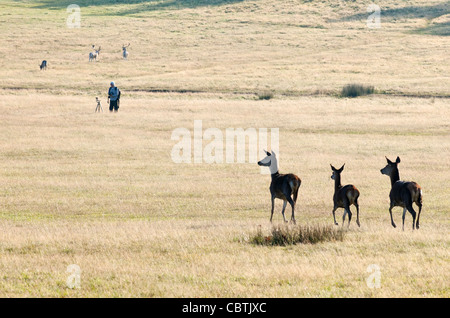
[[267, 153], [332, 168], [342, 168], [388, 161], [397, 160]]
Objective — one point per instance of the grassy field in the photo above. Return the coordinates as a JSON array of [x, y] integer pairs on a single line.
[[101, 190]]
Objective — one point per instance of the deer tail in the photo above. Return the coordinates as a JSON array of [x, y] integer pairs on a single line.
[[352, 194], [416, 192], [420, 195], [295, 183]]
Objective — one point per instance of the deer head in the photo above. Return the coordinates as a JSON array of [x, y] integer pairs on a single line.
[[390, 167], [267, 160], [336, 172], [270, 161]]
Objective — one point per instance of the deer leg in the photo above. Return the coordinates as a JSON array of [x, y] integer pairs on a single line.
[[357, 213], [271, 211], [292, 203], [282, 211], [392, 220], [349, 216], [295, 202], [346, 211], [413, 214], [334, 215], [418, 215], [403, 219]]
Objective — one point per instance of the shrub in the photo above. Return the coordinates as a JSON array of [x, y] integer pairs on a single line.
[[282, 235], [355, 90], [266, 95]]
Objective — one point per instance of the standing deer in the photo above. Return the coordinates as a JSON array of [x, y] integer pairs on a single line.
[[95, 54], [282, 185], [403, 193], [43, 65], [125, 52], [344, 196]]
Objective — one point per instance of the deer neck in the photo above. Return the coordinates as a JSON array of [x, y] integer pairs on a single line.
[[395, 176], [337, 182], [273, 166]]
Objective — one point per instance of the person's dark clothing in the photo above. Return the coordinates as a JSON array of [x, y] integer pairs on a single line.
[[113, 105], [114, 93], [114, 98]]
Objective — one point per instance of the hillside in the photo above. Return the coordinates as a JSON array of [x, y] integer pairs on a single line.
[[289, 47]]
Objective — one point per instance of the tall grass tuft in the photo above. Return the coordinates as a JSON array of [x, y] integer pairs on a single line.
[[355, 90], [265, 95], [282, 235]]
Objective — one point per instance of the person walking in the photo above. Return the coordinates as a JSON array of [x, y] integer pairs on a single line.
[[113, 97]]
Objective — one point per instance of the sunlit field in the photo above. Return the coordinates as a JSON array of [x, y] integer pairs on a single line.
[[102, 191]]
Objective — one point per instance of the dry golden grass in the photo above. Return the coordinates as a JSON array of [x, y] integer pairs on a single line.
[[101, 190]]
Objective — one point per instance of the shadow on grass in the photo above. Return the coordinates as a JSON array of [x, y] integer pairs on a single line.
[[429, 12], [141, 5], [442, 29], [411, 12]]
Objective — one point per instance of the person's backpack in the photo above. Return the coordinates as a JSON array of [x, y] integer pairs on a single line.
[[117, 91]]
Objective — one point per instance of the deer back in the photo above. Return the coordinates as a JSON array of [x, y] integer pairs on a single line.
[[404, 192]]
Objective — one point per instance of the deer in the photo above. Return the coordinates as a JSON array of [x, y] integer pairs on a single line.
[[95, 54], [282, 185], [125, 52], [403, 193], [43, 65], [344, 197]]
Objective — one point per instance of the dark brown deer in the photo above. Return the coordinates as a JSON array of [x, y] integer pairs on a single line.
[[43, 65], [282, 185], [344, 196], [403, 193]]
